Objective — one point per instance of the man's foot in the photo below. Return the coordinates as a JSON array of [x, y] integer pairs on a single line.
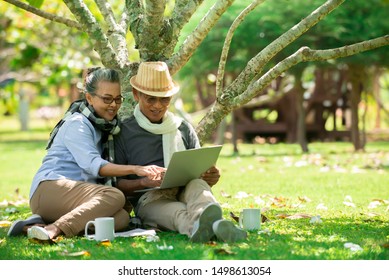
[[202, 228], [38, 233], [17, 227], [226, 231]]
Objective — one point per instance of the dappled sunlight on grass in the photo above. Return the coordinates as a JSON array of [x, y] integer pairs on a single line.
[[314, 204]]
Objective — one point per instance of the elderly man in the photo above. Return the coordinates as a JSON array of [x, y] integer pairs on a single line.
[[151, 136]]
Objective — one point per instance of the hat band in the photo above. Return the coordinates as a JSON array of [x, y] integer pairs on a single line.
[[153, 89]]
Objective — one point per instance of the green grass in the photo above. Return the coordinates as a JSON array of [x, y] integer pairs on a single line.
[[277, 178]]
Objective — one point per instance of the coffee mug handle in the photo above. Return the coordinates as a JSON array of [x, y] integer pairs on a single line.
[[241, 219], [86, 229]]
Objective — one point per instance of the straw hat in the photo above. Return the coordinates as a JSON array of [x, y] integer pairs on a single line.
[[154, 79]]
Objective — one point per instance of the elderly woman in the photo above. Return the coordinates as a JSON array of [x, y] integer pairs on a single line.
[[72, 186]]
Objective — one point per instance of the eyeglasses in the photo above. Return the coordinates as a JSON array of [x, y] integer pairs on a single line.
[[109, 99], [152, 100]]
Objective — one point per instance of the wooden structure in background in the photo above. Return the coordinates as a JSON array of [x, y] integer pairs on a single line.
[[327, 100]]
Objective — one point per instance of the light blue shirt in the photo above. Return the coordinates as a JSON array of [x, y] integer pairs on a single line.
[[75, 154]]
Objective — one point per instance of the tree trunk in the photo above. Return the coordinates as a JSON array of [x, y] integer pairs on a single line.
[[301, 125], [356, 76], [377, 95], [23, 109]]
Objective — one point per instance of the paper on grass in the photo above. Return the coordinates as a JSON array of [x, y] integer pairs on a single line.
[[131, 233], [136, 232]]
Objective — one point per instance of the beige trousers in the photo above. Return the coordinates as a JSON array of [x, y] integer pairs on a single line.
[[181, 213], [69, 205]]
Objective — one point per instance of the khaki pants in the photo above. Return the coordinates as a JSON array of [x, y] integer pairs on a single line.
[[69, 205], [178, 214]]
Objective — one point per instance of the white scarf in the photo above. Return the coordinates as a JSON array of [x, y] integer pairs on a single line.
[[171, 135]]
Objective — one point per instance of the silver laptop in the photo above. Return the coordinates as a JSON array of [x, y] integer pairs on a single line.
[[187, 165]]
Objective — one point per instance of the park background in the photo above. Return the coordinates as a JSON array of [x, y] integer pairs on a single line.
[[324, 195]]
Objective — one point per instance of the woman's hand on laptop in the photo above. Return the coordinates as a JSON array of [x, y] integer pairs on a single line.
[[211, 176]]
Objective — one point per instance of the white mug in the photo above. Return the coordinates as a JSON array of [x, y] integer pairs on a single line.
[[104, 229], [250, 219]]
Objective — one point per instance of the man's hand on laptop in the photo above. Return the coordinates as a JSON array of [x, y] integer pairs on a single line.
[[150, 171], [211, 176], [154, 181]]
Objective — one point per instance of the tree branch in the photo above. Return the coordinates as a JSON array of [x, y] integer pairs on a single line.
[[227, 43], [106, 12], [305, 54], [182, 12], [125, 18], [116, 34], [186, 50], [91, 26], [149, 28], [51, 17], [135, 17], [255, 65]]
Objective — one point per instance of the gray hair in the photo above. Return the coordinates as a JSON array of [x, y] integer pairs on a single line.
[[96, 75]]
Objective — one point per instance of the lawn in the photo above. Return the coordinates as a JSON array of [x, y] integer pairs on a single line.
[[330, 204]]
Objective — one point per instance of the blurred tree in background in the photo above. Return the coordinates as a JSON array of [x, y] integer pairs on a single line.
[[262, 63]]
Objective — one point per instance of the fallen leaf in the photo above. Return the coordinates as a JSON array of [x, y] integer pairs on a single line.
[[299, 216], [353, 247], [324, 169], [234, 217], [372, 215], [297, 205], [76, 254], [105, 243], [316, 220], [224, 194], [349, 204], [383, 201], [259, 201], [340, 169], [241, 195], [152, 238], [278, 201], [294, 216], [261, 159], [4, 203], [385, 245], [348, 198], [264, 218], [265, 231], [164, 247], [301, 163], [19, 202], [356, 169], [304, 199], [5, 223], [321, 206], [211, 243], [374, 204], [224, 251], [282, 216], [11, 210], [42, 242]]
